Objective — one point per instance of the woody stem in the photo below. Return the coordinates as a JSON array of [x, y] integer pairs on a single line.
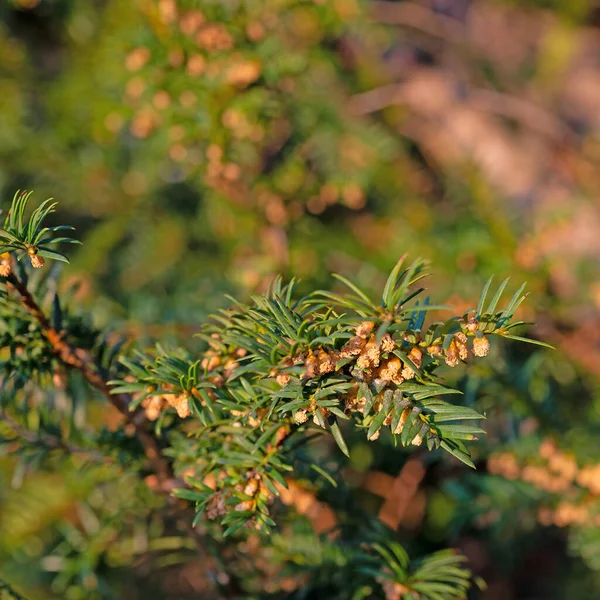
[[78, 359]]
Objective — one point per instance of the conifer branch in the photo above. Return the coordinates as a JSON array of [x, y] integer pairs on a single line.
[[78, 359]]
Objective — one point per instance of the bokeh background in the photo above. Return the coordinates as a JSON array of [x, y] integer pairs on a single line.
[[201, 147]]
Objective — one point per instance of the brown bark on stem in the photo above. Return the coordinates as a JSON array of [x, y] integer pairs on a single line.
[[76, 358]]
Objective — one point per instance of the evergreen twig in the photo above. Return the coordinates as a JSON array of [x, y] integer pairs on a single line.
[[76, 358]]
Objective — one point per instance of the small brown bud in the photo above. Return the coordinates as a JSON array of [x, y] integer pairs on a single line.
[[251, 487], [460, 339], [283, 379], [363, 362], [435, 350], [243, 506], [324, 414], [417, 440], [393, 590], [216, 506], [375, 436], [472, 325], [372, 352], [153, 406], [5, 264], [37, 262], [387, 343], [300, 416], [211, 361], [311, 365], [481, 346], [452, 357], [390, 370], [403, 418], [416, 356], [254, 421], [180, 403], [408, 373], [281, 434], [353, 347], [365, 329], [326, 362]]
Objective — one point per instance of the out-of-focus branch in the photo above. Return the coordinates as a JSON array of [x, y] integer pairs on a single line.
[[402, 493], [581, 347], [10, 593], [322, 517], [529, 114], [47, 440], [419, 18]]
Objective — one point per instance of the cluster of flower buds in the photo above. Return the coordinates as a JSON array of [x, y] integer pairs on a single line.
[[252, 417], [319, 363], [405, 413], [203, 50], [256, 490], [555, 472], [379, 364], [219, 361], [570, 513], [301, 415], [154, 405], [355, 401], [554, 475], [216, 506], [458, 349], [375, 359], [6, 261], [282, 378], [180, 402]]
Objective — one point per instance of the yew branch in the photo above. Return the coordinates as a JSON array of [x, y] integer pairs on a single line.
[[79, 359]]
